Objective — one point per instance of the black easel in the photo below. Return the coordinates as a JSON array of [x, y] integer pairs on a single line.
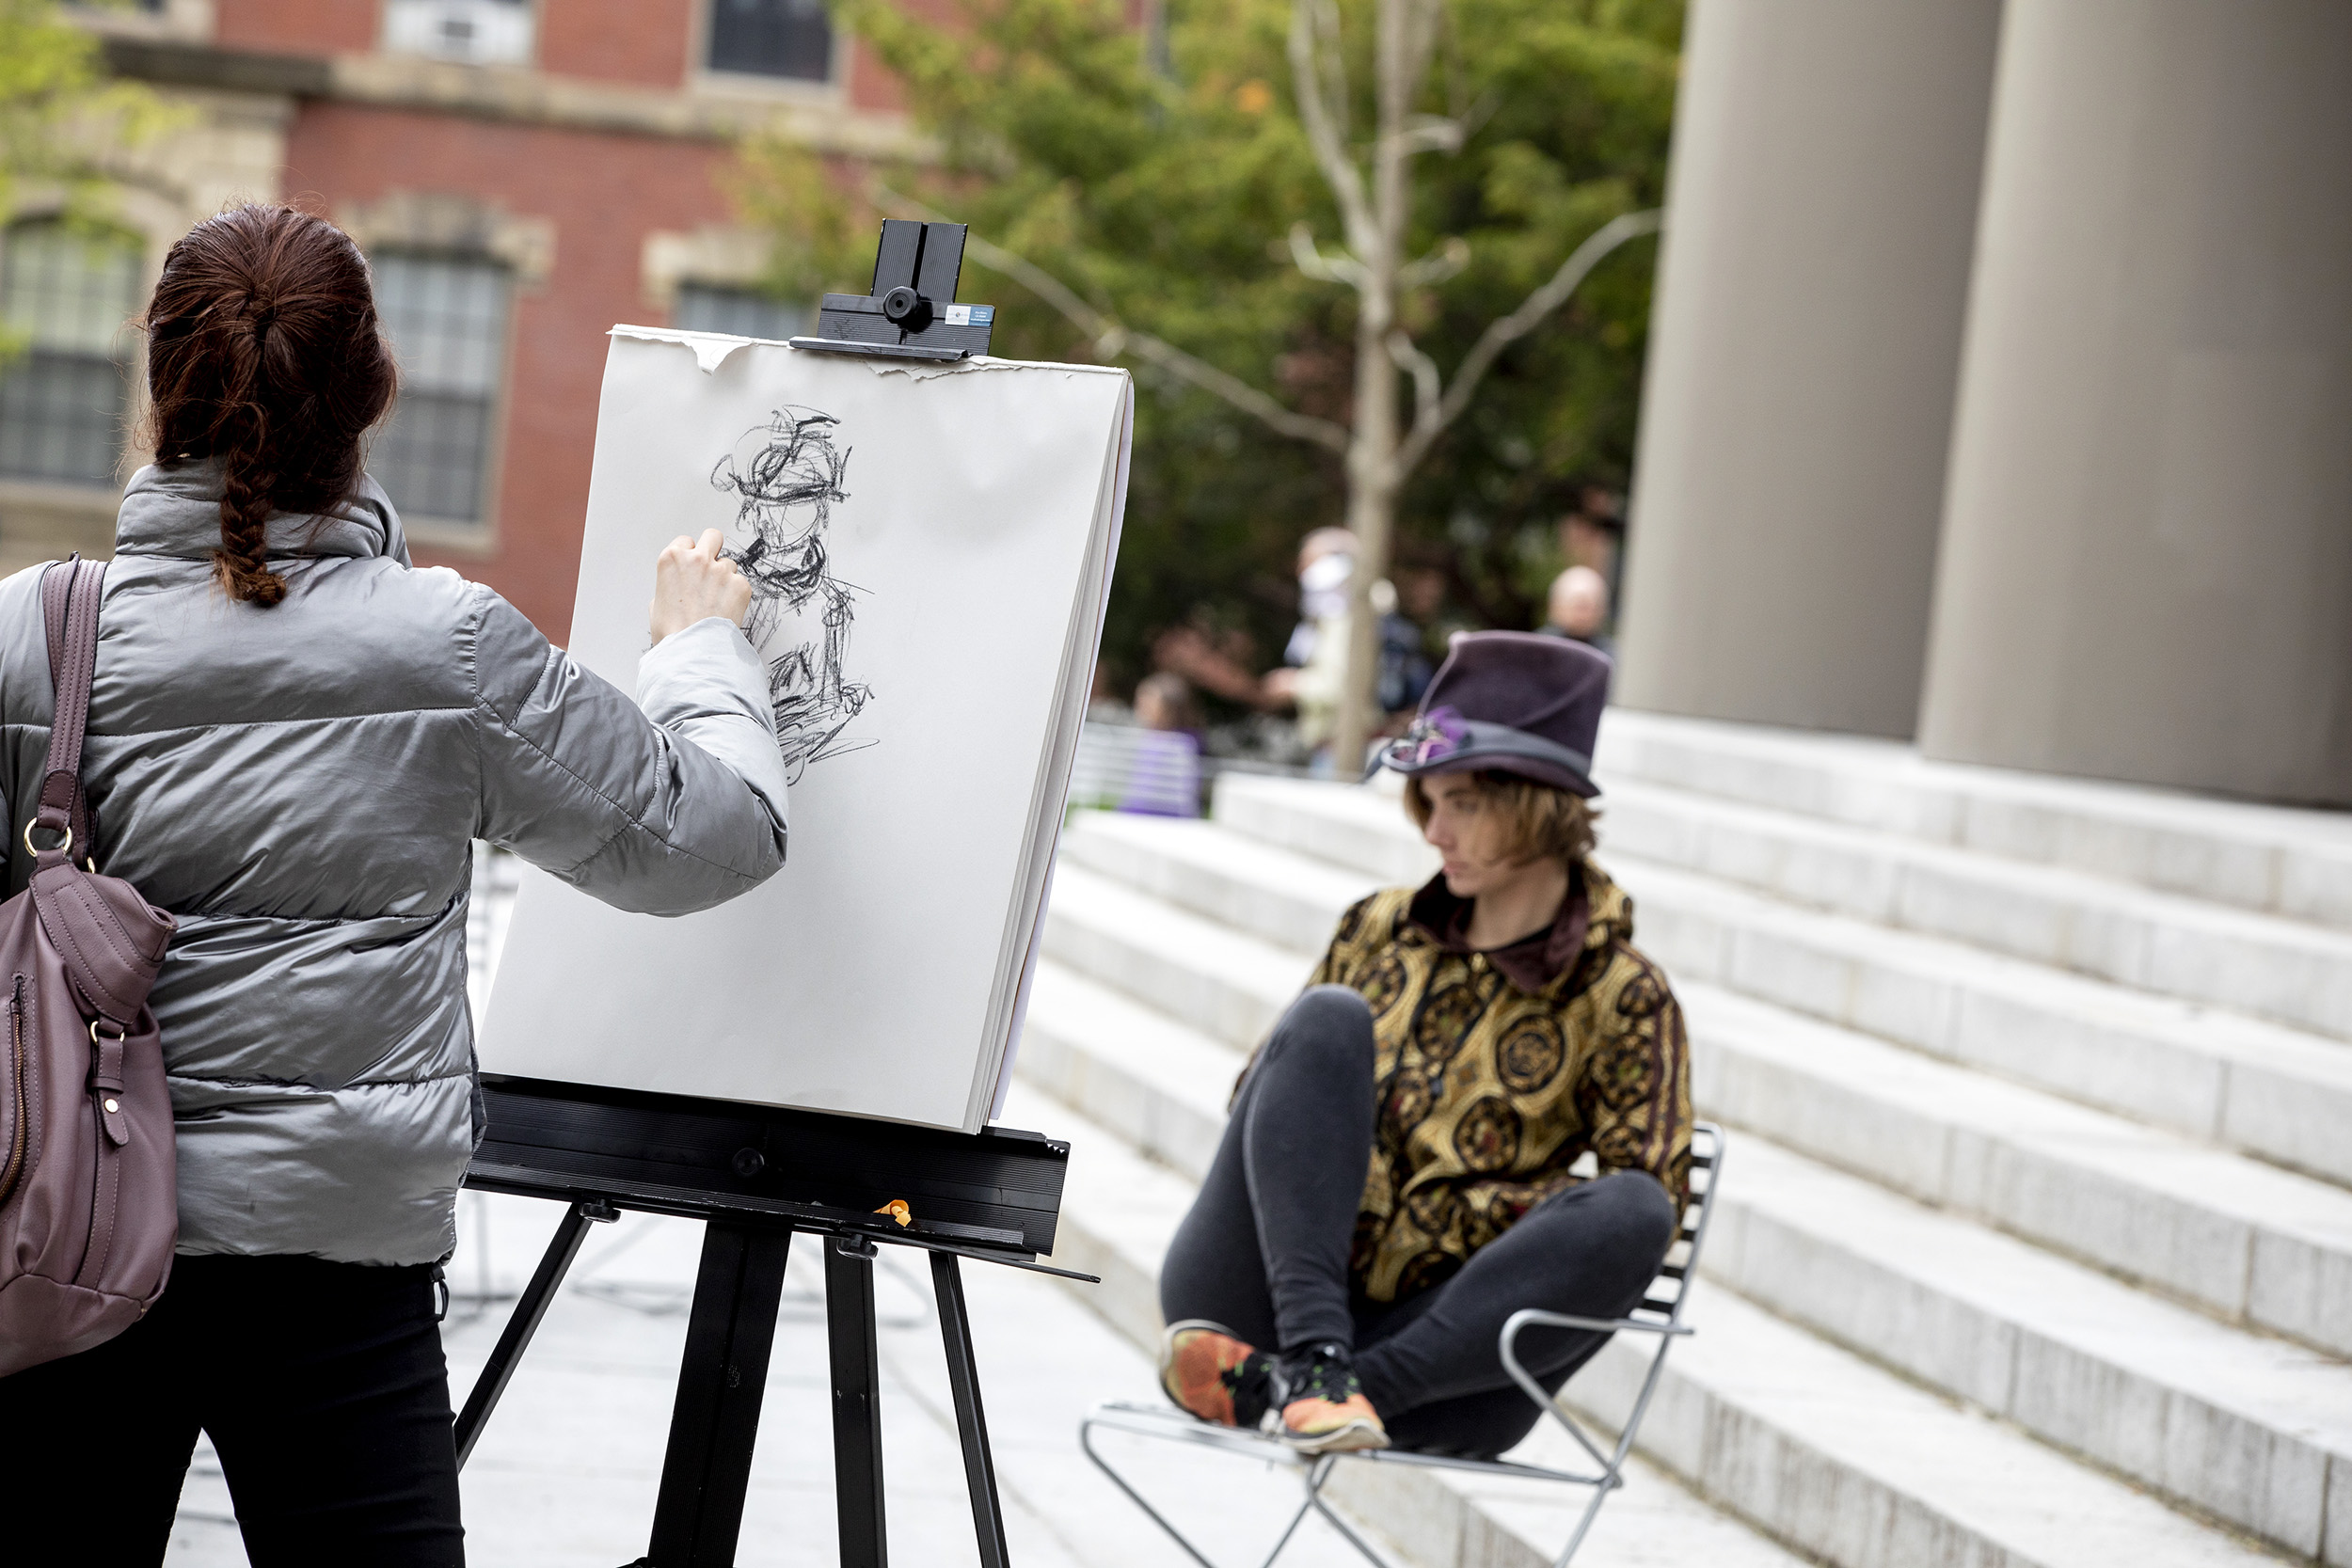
[[754, 1177]]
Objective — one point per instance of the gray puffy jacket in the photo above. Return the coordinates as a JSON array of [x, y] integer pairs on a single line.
[[299, 786]]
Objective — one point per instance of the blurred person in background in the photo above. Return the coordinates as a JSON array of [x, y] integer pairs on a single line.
[[1310, 677], [1406, 611], [1164, 773], [1314, 660], [1165, 702], [1578, 609]]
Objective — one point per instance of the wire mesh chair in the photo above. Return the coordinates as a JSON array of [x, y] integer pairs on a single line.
[[1660, 1313]]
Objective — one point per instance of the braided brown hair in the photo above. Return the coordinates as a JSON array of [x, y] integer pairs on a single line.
[[264, 352]]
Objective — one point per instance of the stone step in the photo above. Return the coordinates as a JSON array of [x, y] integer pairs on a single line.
[[2278, 1093], [1361, 828], [2254, 1430], [2248, 1428], [1160, 1086], [2278, 860], [2280, 1096], [1843, 1462], [2240, 1239], [2291, 972], [1289, 899], [1228, 985]]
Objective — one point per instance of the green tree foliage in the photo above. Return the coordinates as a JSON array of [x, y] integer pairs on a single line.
[[1158, 175], [61, 118]]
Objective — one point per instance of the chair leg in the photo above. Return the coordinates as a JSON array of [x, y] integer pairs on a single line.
[[1592, 1511], [1086, 1442], [1314, 1495], [1313, 1478], [1312, 1500]]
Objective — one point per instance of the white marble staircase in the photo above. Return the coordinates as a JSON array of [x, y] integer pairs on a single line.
[[2035, 1243]]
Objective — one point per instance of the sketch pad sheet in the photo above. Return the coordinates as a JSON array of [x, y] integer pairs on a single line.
[[931, 548]]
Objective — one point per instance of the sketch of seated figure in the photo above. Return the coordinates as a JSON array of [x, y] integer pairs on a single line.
[[785, 476]]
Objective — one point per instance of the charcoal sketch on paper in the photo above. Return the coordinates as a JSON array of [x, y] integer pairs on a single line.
[[787, 476]]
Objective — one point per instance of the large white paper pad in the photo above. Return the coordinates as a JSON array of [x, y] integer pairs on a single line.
[[932, 546]]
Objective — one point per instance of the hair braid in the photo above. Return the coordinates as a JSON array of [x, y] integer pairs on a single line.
[[248, 469], [265, 356]]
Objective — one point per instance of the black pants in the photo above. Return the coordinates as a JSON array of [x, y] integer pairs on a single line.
[[1264, 1249], [322, 1386]]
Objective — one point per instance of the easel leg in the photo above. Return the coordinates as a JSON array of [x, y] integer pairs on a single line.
[[857, 1455], [964, 1379], [722, 1378], [553, 1264]]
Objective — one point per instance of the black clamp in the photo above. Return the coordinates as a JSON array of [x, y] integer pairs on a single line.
[[912, 312]]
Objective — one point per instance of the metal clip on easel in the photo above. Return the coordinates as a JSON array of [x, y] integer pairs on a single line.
[[912, 312]]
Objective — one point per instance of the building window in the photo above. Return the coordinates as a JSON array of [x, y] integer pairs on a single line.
[[66, 296], [790, 38], [481, 32], [447, 317], [739, 312]]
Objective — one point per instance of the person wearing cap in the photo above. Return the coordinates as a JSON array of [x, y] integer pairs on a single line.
[[1480, 1104]]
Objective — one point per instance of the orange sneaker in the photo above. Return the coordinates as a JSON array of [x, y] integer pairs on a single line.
[[1211, 1375], [1323, 1408]]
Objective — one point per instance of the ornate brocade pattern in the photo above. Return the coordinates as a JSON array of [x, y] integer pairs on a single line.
[[1488, 1093]]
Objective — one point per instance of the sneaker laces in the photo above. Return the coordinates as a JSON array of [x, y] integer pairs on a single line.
[[1251, 1382], [1327, 1372]]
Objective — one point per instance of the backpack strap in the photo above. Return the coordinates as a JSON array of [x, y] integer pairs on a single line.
[[68, 601]]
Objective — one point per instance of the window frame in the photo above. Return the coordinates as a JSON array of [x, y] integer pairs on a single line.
[[740, 290], [481, 536], [128, 357], [532, 8], [701, 74]]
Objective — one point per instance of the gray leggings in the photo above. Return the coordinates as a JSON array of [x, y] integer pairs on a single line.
[[1264, 1249]]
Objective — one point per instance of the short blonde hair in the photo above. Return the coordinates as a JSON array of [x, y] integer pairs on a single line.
[[1538, 821]]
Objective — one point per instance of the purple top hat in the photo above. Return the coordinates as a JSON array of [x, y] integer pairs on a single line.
[[1514, 702]]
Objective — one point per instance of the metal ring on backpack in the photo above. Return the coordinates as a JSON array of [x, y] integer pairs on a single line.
[[32, 849]]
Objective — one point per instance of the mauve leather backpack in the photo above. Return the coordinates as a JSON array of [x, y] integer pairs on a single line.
[[89, 1213]]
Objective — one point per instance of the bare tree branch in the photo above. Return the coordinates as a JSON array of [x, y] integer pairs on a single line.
[[1432, 133], [1331, 67], [1422, 22], [1324, 126], [1501, 333], [1451, 257], [1328, 433], [1309, 259], [1111, 339], [1408, 356]]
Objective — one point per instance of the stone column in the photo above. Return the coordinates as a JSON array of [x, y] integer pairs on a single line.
[[2147, 561], [1803, 352]]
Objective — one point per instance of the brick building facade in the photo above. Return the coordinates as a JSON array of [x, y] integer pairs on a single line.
[[522, 173]]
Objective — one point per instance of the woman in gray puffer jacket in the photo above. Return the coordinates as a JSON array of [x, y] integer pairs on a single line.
[[294, 737]]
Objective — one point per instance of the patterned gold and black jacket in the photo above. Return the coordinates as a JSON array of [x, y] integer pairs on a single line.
[[1499, 1070]]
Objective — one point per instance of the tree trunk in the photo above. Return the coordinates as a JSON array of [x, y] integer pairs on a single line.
[[1372, 517], [1371, 476]]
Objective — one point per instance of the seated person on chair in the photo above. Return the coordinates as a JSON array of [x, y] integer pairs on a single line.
[[1401, 1171]]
